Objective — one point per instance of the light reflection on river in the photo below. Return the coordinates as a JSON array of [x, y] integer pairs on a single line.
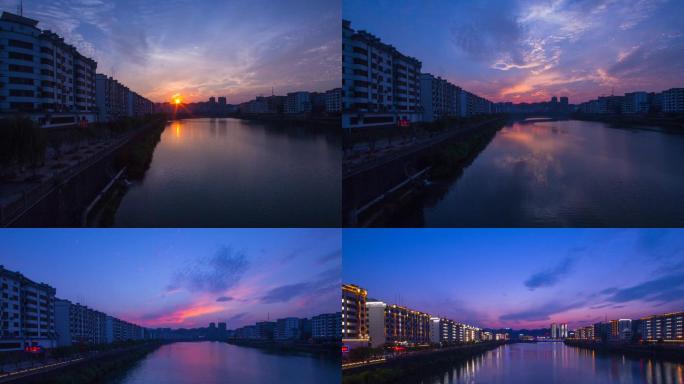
[[218, 363], [237, 173], [565, 173], [557, 363]]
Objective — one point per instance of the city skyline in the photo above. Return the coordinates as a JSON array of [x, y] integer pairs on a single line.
[[198, 50], [527, 279], [185, 278], [529, 51]]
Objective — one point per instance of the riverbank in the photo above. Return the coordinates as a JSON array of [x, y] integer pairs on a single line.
[[134, 160], [375, 193], [328, 348], [61, 188], [404, 368], [92, 368], [317, 121], [670, 352]]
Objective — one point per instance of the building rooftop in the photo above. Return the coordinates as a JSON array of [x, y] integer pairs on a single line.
[[7, 16]]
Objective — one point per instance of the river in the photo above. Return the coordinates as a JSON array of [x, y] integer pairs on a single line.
[[228, 172], [217, 362], [556, 363], [563, 173]]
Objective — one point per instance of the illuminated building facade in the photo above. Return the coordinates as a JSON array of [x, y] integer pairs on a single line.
[[666, 327], [354, 317]]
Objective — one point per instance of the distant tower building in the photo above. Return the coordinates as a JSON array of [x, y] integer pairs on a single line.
[[212, 100], [563, 326], [222, 100], [554, 331], [554, 99]]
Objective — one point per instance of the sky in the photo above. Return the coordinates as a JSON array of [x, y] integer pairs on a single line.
[[198, 49], [520, 278], [184, 277], [530, 50]]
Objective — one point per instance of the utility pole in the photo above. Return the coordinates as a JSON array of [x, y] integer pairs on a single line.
[[20, 8]]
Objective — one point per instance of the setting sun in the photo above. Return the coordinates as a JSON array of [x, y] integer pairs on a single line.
[[177, 99]]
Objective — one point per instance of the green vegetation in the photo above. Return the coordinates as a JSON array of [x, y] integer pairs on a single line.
[[137, 155], [98, 370], [22, 143], [450, 160]]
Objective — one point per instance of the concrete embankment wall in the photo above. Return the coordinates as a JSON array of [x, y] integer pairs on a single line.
[[62, 200], [417, 361], [361, 187]]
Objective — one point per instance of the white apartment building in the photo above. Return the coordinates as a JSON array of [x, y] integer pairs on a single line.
[[42, 76], [115, 100], [298, 102], [439, 98], [380, 85], [78, 324], [26, 312], [673, 100]]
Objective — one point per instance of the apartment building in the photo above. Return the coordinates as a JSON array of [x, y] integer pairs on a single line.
[[115, 100], [673, 100], [42, 76], [635, 102], [298, 102], [666, 327], [327, 326], [78, 324], [439, 98], [333, 100], [396, 324], [380, 85], [289, 328], [117, 330], [27, 312], [354, 315]]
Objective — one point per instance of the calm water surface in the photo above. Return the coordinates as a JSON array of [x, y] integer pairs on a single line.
[[232, 172], [215, 362], [557, 363], [567, 173]]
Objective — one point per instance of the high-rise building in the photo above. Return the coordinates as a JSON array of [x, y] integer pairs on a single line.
[[27, 312], [78, 324], [563, 331], [380, 85], [555, 331], [222, 100], [396, 324], [438, 98], [666, 327], [46, 78], [327, 326], [354, 315]]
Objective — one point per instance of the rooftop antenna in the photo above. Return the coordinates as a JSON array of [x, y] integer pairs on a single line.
[[272, 94], [20, 8], [612, 91]]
